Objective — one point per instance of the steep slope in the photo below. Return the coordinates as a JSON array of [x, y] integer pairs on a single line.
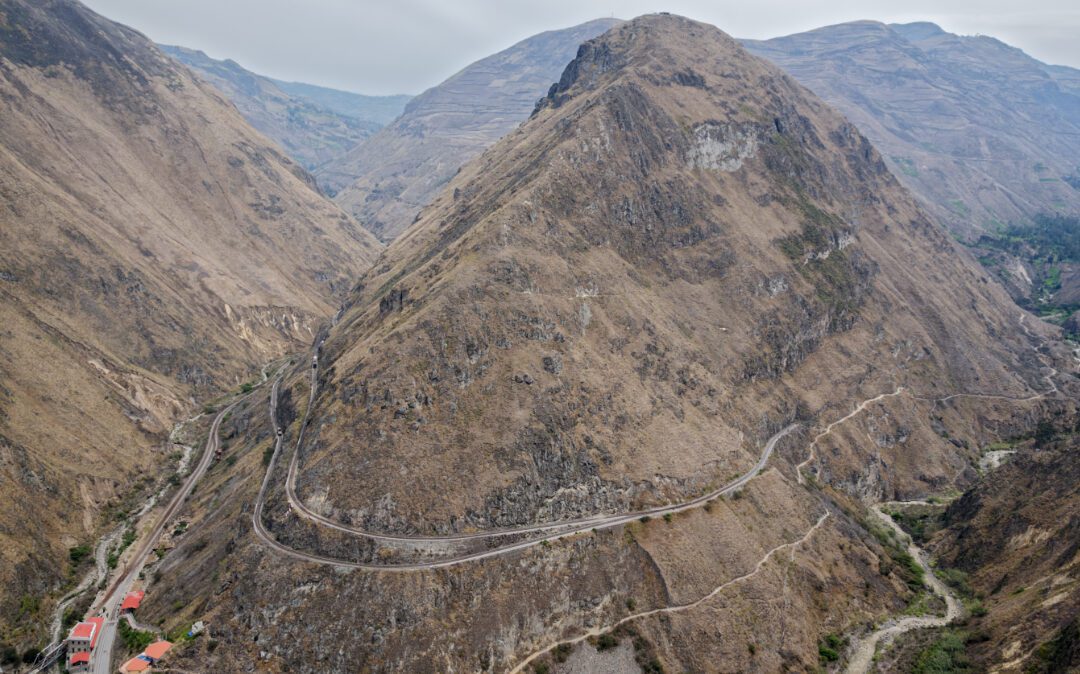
[[682, 262], [983, 133], [387, 179], [154, 250], [312, 124], [1017, 536]]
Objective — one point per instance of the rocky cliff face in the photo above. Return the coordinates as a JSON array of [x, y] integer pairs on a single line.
[[679, 254], [153, 248], [984, 134], [312, 124], [387, 179]]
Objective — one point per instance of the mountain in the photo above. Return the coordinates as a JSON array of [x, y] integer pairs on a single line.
[[982, 132], [378, 109], [1016, 537], [313, 124], [155, 251], [385, 180], [683, 271]]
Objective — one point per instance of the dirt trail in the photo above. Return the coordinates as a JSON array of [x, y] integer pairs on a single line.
[[678, 608]]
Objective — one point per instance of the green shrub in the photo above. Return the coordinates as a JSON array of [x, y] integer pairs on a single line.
[[134, 640], [606, 642], [78, 553], [945, 656], [827, 654], [956, 579], [8, 655]]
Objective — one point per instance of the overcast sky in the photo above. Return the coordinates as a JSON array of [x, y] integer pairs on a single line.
[[405, 46]]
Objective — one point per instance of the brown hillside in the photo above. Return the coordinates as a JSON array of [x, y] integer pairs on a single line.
[[681, 253], [154, 250]]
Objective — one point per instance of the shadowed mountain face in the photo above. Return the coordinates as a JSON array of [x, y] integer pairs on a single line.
[[313, 124], [680, 253], [984, 134], [1017, 536], [153, 249], [387, 179]]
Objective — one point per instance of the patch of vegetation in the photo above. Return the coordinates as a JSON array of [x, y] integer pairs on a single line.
[[606, 642], [827, 654], [8, 655], [268, 454], [906, 166], [957, 580], [246, 387], [1046, 243], [946, 655], [920, 525], [134, 640], [562, 652], [919, 605], [78, 553], [29, 605], [899, 559], [959, 207]]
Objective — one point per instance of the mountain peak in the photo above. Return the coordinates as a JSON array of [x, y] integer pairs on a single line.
[[662, 48], [918, 30]]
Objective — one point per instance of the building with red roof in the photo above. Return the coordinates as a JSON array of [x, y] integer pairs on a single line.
[[157, 649], [84, 635], [132, 601], [79, 662], [135, 665]]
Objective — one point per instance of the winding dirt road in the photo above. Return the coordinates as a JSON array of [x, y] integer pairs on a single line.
[[677, 608], [556, 531]]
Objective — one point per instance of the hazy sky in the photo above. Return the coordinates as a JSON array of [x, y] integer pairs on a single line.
[[405, 46]]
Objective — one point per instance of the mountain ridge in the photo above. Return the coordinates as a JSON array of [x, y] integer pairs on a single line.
[[680, 254], [313, 124], [155, 249], [387, 179]]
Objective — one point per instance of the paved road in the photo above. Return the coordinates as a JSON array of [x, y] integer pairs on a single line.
[[564, 527], [555, 530], [109, 603]]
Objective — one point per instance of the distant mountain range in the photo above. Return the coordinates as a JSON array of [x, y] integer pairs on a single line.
[[386, 180], [985, 135], [982, 132], [313, 124]]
